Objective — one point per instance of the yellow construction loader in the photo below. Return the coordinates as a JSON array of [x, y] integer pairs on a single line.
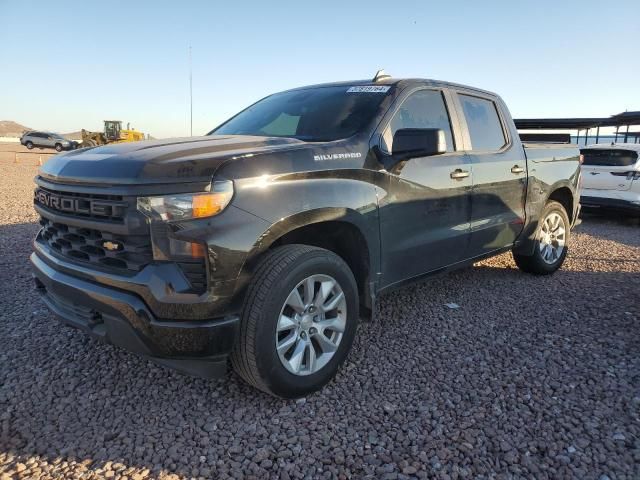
[[113, 133]]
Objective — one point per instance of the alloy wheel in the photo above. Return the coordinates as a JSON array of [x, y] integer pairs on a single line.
[[311, 325], [552, 238]]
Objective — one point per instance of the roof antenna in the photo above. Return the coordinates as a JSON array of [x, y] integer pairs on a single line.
[[380, 75]]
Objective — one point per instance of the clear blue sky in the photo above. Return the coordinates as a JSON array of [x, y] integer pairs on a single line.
[[67, 65]]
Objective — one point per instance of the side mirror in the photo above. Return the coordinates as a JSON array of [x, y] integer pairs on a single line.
[[418, 142]]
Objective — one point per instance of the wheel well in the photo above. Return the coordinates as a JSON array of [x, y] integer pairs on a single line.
[[564, 196], [342, 238]]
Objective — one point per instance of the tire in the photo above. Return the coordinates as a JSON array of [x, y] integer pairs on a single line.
[[547, 257], [29, 144], [255, 356], [58, 147]]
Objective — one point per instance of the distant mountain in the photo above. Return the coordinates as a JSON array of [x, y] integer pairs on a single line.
[[9, 128]]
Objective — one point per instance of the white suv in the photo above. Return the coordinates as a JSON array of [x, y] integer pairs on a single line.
[[611, 177], [47, 140]]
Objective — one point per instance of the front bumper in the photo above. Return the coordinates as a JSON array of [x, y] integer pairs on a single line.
[[112, 315]]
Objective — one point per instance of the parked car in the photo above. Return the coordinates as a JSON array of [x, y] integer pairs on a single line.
[[47, 140], [267, 240], [611, 177]]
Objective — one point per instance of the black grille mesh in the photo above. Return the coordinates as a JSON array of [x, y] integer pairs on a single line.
[[132, 251]]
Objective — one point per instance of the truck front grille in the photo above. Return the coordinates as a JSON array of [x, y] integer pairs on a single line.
[[123, 254], [126, 253], [81, 226]]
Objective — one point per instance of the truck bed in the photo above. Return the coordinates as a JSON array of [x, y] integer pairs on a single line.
[[551, 152]]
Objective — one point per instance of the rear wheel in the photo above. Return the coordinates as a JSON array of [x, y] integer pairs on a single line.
[[298, 322], [551, 242]]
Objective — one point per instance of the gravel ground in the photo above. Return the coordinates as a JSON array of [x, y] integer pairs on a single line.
[[10, 152], [529, 378]]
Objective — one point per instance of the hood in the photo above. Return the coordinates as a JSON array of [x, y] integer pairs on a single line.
[[191, 159]]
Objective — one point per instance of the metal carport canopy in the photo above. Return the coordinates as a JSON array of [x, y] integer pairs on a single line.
[[619, 120]]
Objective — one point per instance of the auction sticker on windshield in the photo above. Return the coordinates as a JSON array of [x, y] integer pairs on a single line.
[[369, 89]]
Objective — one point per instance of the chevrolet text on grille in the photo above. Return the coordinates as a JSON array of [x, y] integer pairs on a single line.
[[75, 205]]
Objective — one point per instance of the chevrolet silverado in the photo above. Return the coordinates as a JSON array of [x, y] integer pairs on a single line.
[[263, 243]]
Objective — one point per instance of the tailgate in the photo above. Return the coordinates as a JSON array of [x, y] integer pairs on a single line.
[[609, 169]]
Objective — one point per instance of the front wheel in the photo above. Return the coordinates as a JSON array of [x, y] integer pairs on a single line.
[[298, 322], [29, 145], [551, 242], [58, 147]]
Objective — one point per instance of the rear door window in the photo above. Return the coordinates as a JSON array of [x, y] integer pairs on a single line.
[[609, 158], [483, 122]]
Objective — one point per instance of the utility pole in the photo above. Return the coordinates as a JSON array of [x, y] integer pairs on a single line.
[[190, 92]]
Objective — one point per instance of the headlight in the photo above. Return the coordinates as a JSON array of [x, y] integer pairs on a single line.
[[188, 206]]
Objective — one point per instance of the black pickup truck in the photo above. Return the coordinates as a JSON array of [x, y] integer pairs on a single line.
[[265, 242]]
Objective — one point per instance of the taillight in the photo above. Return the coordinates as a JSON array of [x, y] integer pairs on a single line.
[[581, 159]]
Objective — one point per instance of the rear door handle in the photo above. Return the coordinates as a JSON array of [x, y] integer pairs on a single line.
[[517, 169], [459, 174]]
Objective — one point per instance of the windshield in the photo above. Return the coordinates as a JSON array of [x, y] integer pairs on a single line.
[[55, 135], [314, 114]]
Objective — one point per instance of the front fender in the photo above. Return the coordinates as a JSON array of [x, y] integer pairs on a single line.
[[290, 201], [366, 226], [295, 201]]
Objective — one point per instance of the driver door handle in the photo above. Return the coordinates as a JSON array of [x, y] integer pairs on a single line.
[[517, 169], [459, 174]]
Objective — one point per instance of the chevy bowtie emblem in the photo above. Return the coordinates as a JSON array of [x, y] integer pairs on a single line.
[[112, 246]]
